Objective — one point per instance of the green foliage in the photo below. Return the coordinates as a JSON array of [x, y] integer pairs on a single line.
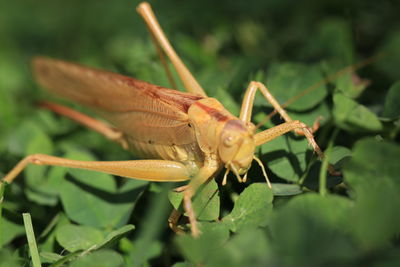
[[252, 208], [373, 175], [309, 227], [206, 203], [351, 116], [391, 109], [289, 79], [299, 50], [106, 258]]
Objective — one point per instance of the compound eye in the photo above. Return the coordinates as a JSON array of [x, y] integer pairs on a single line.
[[230, 140]]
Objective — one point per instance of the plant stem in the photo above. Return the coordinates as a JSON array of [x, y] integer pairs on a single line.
[[325, 163]]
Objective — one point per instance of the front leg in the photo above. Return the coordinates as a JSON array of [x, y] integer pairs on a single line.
[[248, 100], [289, 125], [274, 132]]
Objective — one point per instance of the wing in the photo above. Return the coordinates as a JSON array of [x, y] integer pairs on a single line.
[[140, 110]]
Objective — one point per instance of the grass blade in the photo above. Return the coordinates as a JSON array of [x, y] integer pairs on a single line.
[[2, 185], [31, 240]]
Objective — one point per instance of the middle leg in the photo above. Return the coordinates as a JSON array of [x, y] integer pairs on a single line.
[[274, 132], [205, 173], [106, 130], [290, 125], [281, 129]]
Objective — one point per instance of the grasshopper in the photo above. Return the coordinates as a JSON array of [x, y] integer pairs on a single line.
[[182, 135]]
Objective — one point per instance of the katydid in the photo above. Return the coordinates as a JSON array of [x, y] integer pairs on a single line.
[[181, 135]]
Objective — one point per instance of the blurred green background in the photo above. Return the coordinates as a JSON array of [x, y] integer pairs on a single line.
[[290, 46]]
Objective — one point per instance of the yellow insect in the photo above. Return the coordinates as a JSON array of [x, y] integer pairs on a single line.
[[184, 136]]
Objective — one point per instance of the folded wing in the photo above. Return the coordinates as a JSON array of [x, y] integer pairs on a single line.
[[140, 110]]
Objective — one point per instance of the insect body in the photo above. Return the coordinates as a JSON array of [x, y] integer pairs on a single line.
[[184, 136]]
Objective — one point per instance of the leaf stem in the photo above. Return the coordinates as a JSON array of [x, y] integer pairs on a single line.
[[325, 163]]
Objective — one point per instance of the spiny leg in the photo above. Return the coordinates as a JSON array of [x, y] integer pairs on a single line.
[[173, 221], [164, 61], [248, 100], [274, 132], [267, 135], [190, 83], [108, 131], [297, 126], [149, 170], [281, 129]]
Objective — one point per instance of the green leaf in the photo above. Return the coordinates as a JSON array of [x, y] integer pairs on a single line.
[[286, 156], [48, 235], [206, 202], [100, 258], [9, 230], [390, 61], [198, 250], [115, 235], [8, 116], [51, 123], [250, 247], [176, 199], [136, 254], [286, 189], [287, 80], [321, 111], [351, 116], [338, 154], [38, 189], [67, 258], [333, 40], [351, 85], [310, 222], [391, 108], [373, 173], [183, 264], [92, 198], [76, 237], [29, 139], [252, 208], [48, 257], [8, 258]]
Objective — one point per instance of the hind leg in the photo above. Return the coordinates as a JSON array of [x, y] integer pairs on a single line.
[[162, 44]]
